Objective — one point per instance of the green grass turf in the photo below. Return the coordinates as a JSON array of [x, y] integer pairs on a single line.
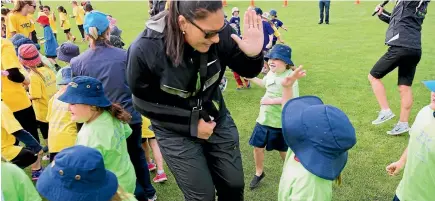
[[337, 58]]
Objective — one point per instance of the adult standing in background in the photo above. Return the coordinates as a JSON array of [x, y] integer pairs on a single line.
[[324, 7], [79, 15], [18, 20], [404, 40], [174, 70], [108, 64]]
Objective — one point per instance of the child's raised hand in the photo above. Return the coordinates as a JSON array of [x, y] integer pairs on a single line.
[[394, 168], [296, 75]]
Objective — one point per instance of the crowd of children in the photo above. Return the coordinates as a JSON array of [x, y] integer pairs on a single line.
[[87, 134]]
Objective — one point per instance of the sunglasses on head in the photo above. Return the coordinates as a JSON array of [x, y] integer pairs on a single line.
[[208, 34]]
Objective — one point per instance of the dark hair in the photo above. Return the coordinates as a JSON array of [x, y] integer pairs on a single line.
[[192, 10], [62, 9], [5, 11], [117, 111], [41, 7], [47, 7], [88, 8]]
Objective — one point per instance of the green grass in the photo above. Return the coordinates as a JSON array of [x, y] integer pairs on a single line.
[[337, 58]]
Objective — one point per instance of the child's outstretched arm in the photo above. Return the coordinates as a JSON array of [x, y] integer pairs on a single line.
[[256, 80], [287, 84], [394, 168]]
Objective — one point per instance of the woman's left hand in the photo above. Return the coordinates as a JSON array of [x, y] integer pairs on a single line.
[[253, 36]]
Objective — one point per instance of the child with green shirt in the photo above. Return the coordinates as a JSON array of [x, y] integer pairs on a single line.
[[319, 137], [104, 128], [419, 157], [267, 132]]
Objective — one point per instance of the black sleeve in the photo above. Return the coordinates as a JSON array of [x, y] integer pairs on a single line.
[[15, 75], [144, 84], [235, 59], [385, 16]]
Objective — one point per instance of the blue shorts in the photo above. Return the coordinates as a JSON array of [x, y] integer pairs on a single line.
[[268, 137]]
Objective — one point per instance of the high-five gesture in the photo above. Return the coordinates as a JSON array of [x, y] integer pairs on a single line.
[[291, 79], [252, 42]]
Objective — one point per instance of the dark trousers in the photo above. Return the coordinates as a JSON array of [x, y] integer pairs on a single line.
[[55, 36], [34, 37], [324, 5], [396, 198], [25, 158], [82, 31], [200, 166], [144, 189], [27, 119]]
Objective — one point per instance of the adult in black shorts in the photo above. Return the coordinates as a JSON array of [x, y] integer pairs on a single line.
[[404, 40]]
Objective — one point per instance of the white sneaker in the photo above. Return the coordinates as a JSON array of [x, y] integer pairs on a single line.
[[398, 129], [46, 158], [383, 117]]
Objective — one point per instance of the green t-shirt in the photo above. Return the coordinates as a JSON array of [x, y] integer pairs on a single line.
[[16, 185], [108, 135], [298, 184], [419, 177], [270, 115]]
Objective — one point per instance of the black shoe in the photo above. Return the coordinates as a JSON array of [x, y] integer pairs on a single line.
[[327, 22], [256, 180], [320, 22]]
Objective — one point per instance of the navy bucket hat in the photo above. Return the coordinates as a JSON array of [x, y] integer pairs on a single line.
[[77, 173], [281, 52], [320, 135], [85, 90]]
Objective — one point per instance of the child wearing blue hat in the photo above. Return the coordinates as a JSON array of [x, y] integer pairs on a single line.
[[418, 157], [79, 173], [278, 24], [267, 133], [319, 137], [62, 132], [104, 126]]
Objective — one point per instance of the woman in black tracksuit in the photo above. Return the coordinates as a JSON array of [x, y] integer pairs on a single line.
[[174, 75]]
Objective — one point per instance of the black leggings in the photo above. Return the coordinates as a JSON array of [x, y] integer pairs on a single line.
[[43, 127], [55, 36], [24, 158], [27, 119], [34, 37], [52, 155], [82, 31]]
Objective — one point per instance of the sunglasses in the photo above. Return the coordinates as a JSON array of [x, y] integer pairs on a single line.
[[208, 34]]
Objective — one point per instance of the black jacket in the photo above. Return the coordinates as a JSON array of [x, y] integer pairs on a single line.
[[405, 23], [167, 94]]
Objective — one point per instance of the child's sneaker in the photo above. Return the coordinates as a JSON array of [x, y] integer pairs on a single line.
[[248, 85], [239, 87], [45, 158], [36, 174], [154, 198], [256, 180], [160, 178], [152, 166]]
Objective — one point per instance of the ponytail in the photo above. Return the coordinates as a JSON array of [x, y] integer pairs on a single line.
[[35, 70], [62, 9], [118, 112], [94, 37]]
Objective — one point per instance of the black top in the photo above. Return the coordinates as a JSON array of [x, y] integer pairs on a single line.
[[166, 93]]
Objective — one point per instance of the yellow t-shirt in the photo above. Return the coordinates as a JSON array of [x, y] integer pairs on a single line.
[[32, 22], [9, 125], [63, 18], [52, 22], [62, 132], [8, 33], [79, 14], [13, 94], [146, 131], [20, 24], [42, 90]]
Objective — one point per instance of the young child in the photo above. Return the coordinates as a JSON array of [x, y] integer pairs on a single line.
[[65, 24], [235, 19], [278, 24], [52, 18], [267, 133], [79, 15], [50, 44], [418, 157], [319, 137], [79, 173], [276, 33], [149, 140], [16, 185], [65, 52], [62, 132], [104, 126], [42, 84]]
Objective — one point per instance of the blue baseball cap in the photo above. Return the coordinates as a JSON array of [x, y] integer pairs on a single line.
[[258, 11], [64, 76], [318, 134], [281, 52], [77, 173], [96, 19], [85, 90], [430, 84], [273, 13]]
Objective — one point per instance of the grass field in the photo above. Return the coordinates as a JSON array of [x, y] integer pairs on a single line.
[[337, 58]]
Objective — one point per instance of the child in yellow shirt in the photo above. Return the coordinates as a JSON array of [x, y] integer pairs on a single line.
[[42, 84], [62, 132], [149, 140], [64, 23]]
